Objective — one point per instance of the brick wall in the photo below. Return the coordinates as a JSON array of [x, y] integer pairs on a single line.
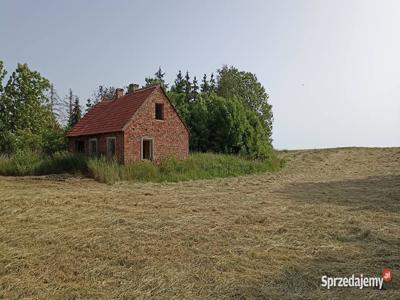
[[101, 144], [170, 137]]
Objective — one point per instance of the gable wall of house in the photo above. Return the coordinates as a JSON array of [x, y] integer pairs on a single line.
[[170, 137]]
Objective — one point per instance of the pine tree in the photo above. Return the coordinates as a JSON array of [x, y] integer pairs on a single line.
[[188, 86], [179, 83], [157, 80], [212, 87], [195, 89], [76, 113], [159, 74], [71, 103], [205, 87], [88, 104]]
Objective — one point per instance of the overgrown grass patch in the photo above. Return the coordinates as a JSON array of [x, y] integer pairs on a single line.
[[32, 163], [207, 165], [197, 166]]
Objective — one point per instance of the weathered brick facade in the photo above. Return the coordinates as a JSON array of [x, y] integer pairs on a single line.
[[169, 136], [101, 144]]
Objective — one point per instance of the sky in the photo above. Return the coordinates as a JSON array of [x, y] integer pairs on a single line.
[[331, 68]]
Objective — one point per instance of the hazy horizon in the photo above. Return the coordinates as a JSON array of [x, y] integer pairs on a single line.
[[331, 68]]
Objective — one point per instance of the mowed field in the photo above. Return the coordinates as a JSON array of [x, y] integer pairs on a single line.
[[268, 236]]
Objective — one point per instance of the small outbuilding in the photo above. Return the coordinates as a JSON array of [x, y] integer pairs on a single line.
[[140, 125]]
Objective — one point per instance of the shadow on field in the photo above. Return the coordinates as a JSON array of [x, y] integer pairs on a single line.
[[303, 280], [374, 193]]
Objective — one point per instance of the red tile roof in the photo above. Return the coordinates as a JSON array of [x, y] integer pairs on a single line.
[[111, 115]]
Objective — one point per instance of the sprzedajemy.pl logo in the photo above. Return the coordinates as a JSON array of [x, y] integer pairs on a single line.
[[357, 281]]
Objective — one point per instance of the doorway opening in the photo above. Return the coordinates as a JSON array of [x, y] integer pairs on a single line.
[[147, 149]]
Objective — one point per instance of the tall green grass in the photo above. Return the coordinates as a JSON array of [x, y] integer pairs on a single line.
[[197, 166], [207, 165], [107, 171], [32, 163]]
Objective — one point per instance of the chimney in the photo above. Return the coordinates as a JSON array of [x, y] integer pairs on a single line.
[[119, 93], [132, 87]]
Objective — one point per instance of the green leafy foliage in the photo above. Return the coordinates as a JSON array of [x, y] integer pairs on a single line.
[[231, 115], [26, 114], [244, 86], [223, 125]]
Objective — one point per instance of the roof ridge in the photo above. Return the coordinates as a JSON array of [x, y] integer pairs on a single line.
[[146, 87], [136, 91]]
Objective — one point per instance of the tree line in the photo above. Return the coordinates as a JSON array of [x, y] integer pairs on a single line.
[[227, 112]]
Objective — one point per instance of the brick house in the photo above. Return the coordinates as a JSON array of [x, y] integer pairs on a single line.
[[140, 125]]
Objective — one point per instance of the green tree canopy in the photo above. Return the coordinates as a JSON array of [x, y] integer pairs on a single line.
[[25, 110], [244, 86], [157, 80]]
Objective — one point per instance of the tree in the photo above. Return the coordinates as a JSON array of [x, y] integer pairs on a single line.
[[59, 106], [88, 105], [212, 83], [71, 103], [25, 110], [180, 103], [157, 80], [188, 87], [102, 92], [29, 106], [179, 86], [4, 108], [53, 96], [244, 86], [160, 74], [226, 126], [76, 113], [198, 125], [195, 89], [205, 86], [3, 74]]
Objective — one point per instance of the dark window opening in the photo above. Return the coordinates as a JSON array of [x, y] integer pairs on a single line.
[[80, 146], [111, 147], [147, 149], [159, 111], [93, 146]]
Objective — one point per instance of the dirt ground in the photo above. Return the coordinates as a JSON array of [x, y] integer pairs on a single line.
[[329, 212]]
